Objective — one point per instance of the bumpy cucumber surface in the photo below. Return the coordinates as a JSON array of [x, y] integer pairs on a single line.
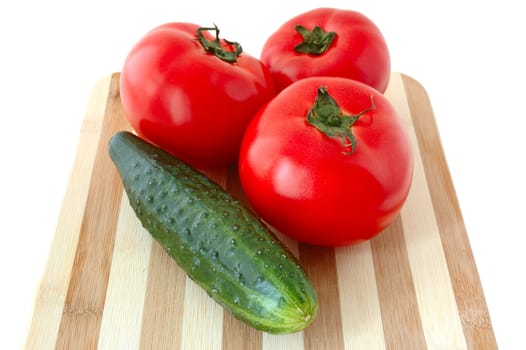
[[220, 244]]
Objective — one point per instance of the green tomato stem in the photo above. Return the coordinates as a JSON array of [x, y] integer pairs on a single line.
[[214, 46], [315, 41], [327, 116]]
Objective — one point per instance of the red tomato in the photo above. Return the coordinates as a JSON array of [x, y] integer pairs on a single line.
[[328, 42], [192, 93], [327, 162]]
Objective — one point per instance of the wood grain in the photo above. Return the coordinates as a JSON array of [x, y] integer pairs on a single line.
[[86, 294], [440, 319], [463, 272], [326, 330], [396, 291], [108, 285], [131, 257], [49, 302], [162, 305], [359, 300]]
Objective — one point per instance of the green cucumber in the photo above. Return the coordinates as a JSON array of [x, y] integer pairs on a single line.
[[219, 243]]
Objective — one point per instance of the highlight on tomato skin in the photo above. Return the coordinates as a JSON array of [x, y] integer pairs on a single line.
[[328, 42], [323, 185], [193, 93]]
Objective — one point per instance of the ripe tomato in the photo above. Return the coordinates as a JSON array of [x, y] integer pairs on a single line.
[[328, 42], [327, 162], [192, 93]]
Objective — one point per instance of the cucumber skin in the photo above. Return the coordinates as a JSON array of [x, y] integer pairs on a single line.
[[219, 243]]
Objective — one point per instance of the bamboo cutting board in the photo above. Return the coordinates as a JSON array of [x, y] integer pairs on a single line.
[[107, 285]]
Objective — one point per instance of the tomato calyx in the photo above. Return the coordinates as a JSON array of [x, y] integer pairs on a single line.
[[327, 116], [214, 46], [315, 41]]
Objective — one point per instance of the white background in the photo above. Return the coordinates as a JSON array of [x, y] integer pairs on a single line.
[[469, 56]]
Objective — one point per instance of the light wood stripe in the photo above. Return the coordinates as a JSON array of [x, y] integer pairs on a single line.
[[163, 304], [325, 332], [398, 305], [84, 303], [436, 300], [461, 264], [49, 302], [127, 283], [202, 320], [292, 341], [359, 303]]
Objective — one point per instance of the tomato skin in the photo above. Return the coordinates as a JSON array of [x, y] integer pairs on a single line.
[[187, 101], [359, 50], [306, 185]]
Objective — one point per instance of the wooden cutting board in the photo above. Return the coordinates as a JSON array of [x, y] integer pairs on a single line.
[[107, 285]]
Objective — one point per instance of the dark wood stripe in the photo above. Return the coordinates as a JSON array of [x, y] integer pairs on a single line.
[[84, 303], [461, 263], [238, 335], [326, 331], [164, 302], [396, 292]]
